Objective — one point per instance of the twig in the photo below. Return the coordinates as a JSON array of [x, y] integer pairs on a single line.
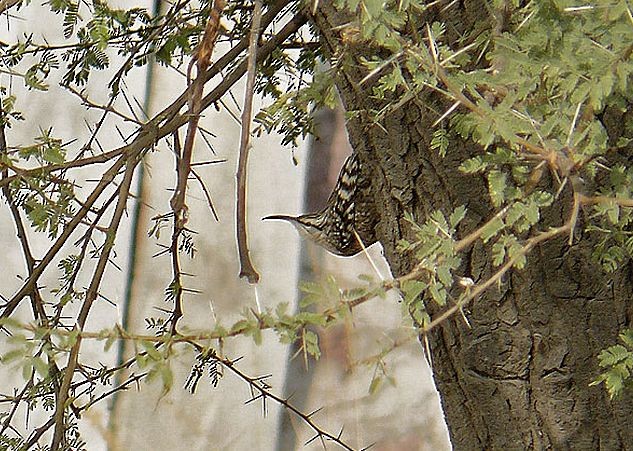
[[106, 108], [148, 135], [179, 224], [37, 303], [6, 423], [259, 389], [457, 94], [37, 433], [473, 236], [34, 172], [593, 200], [262, 388], [179, 208], [247, 269], [480, 288], [201, 59], [36, 298], [91, 295], [170, 116], [31, 281], [116, 80]]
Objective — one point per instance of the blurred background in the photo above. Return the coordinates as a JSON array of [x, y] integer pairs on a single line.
[[400, 413]]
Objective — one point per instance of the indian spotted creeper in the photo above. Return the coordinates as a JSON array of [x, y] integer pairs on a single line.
[[347, 220]]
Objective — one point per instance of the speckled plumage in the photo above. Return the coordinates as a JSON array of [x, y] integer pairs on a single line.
[[349, 208]]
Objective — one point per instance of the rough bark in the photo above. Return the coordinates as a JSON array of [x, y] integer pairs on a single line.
[[519, 377]]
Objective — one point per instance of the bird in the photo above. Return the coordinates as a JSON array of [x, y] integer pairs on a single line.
[[347, 223]]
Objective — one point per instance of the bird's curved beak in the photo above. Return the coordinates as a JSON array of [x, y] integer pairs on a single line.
[[279, 217]]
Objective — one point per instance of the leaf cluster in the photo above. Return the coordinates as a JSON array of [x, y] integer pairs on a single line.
[[617, 360], [433, 247], [534, 92]]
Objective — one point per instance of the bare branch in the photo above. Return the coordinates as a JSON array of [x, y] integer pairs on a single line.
[[246, 266], [201, 58]]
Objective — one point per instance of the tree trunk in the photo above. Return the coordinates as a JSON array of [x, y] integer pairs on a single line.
[[518, 377]]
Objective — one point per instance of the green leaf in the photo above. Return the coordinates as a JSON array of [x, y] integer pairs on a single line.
[[496, 187], [256, 333], [373, 7], [457, 216], [151, 350], [440, 142], [10, 323], [627, 338], [12, 356], [311, 343], [438, 218], [239, 327], [438, 293], [167, 377], [515, 251], [109, 342], [614, 383], [613, 212], [412, 289], [445, 276], [613, 355], [281, 309], [473, 165], [491, 229], [498, 253], [27, 369], [40, 366], [317, 319], [142, 360]]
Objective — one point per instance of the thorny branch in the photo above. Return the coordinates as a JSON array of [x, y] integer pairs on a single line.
[[91, 295], [7, 4], [168, 122], [36, 299], [125, 158], [418, 273], [260, 389], [263, 392], [149, 134], [31, 281], [37, 303], [170, 116], [473, 292], [201, 58]]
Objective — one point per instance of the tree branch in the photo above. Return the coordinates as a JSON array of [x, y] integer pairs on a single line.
[[246, 266], [179, 208], [91, 295]]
